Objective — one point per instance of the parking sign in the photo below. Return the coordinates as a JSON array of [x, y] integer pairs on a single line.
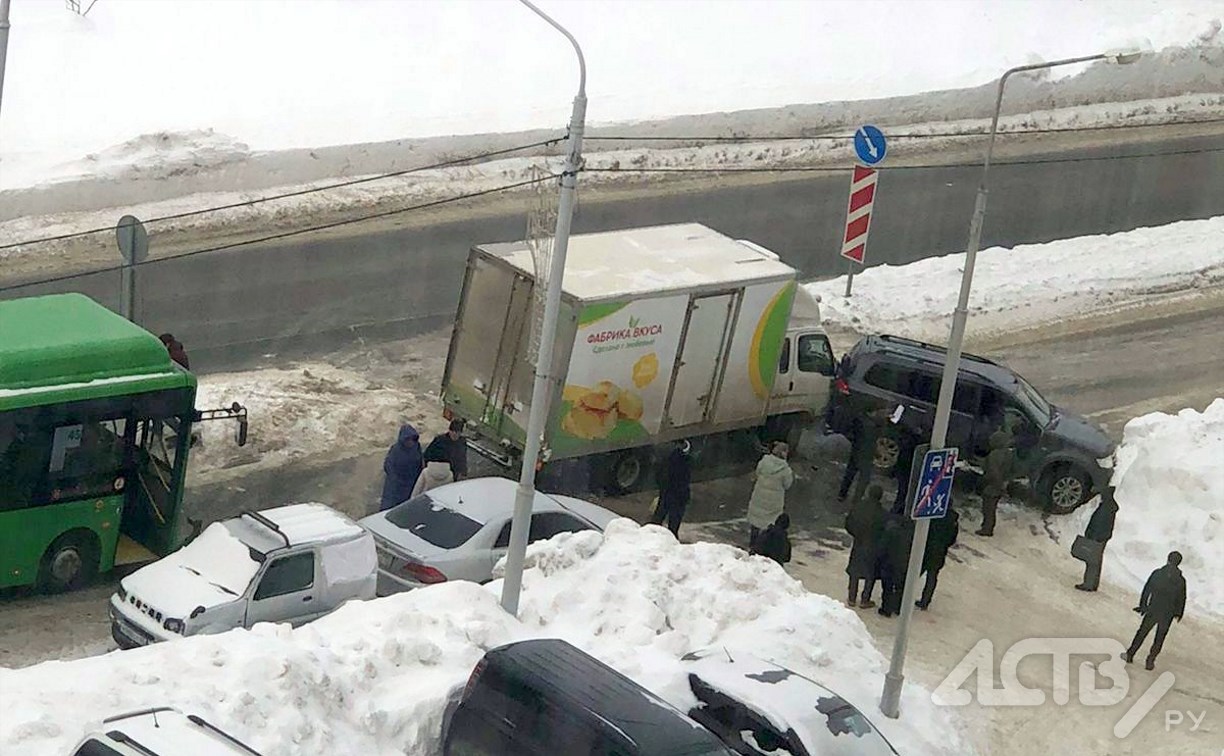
[[934, 493]]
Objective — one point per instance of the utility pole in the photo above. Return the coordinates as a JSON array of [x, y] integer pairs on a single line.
[[890, 700], [4, 35], [541, 388]]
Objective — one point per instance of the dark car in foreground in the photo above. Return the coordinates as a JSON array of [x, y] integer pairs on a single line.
[[1058, 451], [545, 696]]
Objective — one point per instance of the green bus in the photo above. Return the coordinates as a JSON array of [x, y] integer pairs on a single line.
[[95, 431]]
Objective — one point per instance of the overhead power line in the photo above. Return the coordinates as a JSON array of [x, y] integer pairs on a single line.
[[281, 235], [985, 131], [479, 157]]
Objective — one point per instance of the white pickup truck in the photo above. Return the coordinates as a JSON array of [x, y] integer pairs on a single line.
[[290, 564]]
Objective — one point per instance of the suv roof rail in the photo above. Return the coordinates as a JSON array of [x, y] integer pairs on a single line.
[[267, 523], [902, 341], [199, 721]]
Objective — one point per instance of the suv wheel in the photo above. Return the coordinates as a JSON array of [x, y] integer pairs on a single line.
[[1066, 488], [886, 452]]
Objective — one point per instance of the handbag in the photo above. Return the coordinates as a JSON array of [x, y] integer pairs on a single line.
[[1085, 549]]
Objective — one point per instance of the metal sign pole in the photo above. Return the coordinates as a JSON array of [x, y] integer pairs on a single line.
[[849, 277], [133, 243]]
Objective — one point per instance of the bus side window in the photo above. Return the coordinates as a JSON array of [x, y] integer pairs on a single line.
[[23, 460], [87, 459]]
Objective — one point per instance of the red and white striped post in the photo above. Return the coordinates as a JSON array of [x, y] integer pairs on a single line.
[[858, 218]]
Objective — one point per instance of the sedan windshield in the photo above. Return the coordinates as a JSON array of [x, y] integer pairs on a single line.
[[430, 521]]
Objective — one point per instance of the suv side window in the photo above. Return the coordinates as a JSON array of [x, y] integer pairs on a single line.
[[885, 377], [965, 398], [288, 574], [815, 354], [922, 386]]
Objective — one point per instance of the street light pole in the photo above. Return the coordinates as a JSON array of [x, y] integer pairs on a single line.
[[4, 35], [890, 700], [540, 390]]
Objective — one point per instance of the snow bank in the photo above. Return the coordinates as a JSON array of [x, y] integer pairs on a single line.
[[307, 410], [1169, 478], [373, 677], [1031, 284]]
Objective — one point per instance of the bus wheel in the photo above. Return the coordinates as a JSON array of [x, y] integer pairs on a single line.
[[69, 563]]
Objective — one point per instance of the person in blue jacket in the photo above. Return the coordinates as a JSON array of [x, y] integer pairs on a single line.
[[402, 466]]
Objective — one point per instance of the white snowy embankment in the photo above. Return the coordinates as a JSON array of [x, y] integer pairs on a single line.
[[373, 677], [306, 410], [1169, 479], [1031, 284]]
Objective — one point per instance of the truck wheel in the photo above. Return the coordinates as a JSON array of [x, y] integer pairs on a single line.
[[69, 563], [628, 472], [1066, 488]]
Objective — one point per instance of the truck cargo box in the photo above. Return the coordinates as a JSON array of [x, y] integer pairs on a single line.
[[665, 332]]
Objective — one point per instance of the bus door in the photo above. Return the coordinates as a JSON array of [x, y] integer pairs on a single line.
[[151, 517]]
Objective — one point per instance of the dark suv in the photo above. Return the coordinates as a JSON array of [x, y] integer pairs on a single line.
[[1057, 451]]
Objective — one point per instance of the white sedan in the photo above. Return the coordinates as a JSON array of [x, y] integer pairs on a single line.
[[460, 530]]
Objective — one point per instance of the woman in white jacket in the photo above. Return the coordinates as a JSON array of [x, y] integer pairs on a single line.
[[437, 471], [773, 477]]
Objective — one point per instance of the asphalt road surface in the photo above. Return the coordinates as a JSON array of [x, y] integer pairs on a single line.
[[384, 281]]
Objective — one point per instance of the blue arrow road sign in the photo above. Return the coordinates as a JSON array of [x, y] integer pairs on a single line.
[[934, 492], [870, 145]]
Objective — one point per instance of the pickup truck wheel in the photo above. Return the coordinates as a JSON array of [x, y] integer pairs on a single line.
[[628, 472], [886, 452], [1066, 488], [70, 562]]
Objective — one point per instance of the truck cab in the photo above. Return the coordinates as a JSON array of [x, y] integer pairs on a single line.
[[290, 564], [806, 364]]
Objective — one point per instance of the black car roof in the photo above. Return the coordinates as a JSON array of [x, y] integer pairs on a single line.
[[564, 671], [920, 351]]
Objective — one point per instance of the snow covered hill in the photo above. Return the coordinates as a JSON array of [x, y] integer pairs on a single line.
[[373, 677]]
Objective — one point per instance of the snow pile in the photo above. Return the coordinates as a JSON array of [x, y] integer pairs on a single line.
[[1031, 284], [295, 413], [159, 155], [1169, 479], [373, 677]]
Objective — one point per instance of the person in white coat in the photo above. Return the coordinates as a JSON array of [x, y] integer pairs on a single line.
[[437, 471], [773, 477]]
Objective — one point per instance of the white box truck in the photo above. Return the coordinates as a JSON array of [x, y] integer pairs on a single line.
[[666, 333]]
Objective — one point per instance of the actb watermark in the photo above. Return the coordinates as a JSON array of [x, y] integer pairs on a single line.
[[1102, 680]]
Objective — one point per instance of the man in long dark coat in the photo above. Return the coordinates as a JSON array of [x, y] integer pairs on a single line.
[[1162, 601]]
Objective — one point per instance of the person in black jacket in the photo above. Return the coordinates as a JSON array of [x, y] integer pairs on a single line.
[[893, 563], [863, 436], [908, 441], [942, 537], [1162, 601], [452, 447], [675, 477], [865, 524], [1099, 531], [774, 541]]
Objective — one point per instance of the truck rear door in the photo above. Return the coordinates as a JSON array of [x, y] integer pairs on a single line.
[[702, 356]]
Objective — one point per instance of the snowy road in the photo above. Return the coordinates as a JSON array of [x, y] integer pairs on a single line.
[[401, 278]]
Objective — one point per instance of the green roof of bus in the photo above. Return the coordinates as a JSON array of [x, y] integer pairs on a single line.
[[66, 340]]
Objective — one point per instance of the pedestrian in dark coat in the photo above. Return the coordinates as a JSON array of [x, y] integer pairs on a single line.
[[907, 443], [453, 447], [1099, 531], [1162, 601], [865, 524], [675, 479], [176, 350], [774, 541], [997, 472], [863, 436], [401, 467], [894, 561], [940, 539]]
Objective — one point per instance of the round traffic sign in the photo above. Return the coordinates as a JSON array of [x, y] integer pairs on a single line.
[[133, 240], [870, 145]]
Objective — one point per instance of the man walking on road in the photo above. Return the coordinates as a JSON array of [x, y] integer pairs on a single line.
[[675, 476], [997, 469], [1162, 601], [1091, 547]]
